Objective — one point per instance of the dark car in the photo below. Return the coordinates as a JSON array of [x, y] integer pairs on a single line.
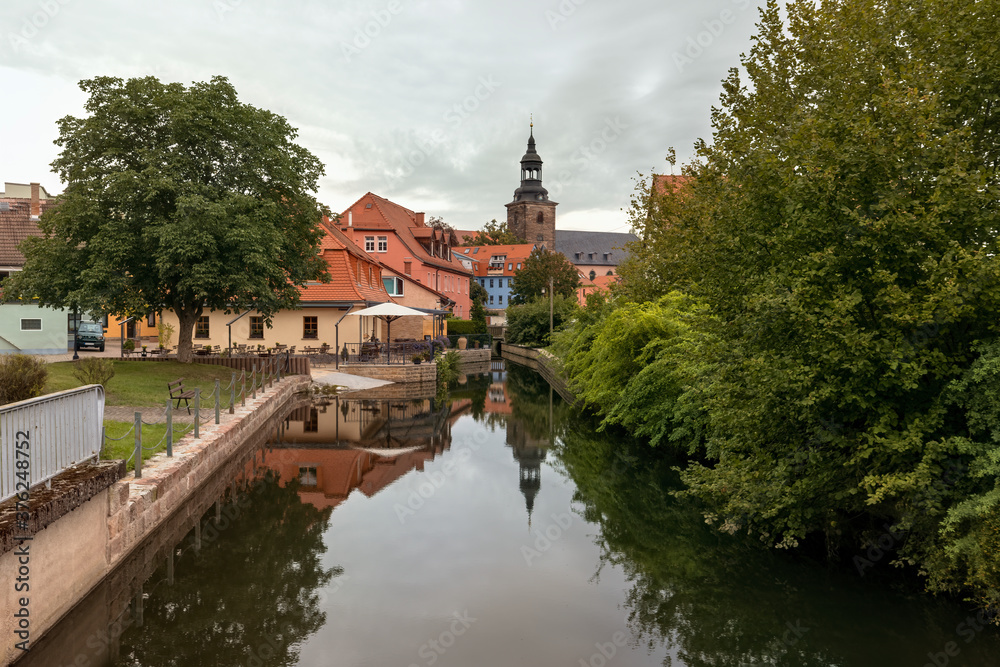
[[90, 334]]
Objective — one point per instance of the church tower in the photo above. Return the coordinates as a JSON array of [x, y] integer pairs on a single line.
[[531, 215]]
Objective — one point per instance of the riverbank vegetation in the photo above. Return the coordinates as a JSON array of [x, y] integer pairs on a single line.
[[809, 314]]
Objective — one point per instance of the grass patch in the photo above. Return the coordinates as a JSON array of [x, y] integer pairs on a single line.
[[144, 383], [123, 449]]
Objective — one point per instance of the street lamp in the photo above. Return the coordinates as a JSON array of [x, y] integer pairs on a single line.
[[550, 306]]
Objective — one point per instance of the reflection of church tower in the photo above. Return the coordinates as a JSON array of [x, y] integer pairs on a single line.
[[531, 215], [530, 458]]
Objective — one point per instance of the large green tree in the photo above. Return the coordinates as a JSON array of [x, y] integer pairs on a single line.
[[179, 198], [841, 231], [532, 280]]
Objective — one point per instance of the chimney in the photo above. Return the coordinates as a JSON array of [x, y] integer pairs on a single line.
[[36, 206], [420, 219]]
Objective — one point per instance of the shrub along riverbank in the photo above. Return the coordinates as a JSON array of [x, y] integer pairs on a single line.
[[810, 315]]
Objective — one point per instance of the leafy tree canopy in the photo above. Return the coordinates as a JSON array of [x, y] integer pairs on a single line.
[[178, 198], [841, 234], [533, 277], [492, 233]]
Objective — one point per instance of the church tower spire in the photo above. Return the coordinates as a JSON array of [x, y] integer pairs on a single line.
[[532, 216]]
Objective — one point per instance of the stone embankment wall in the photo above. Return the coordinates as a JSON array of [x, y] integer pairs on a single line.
[[541, 361], [73, 542]]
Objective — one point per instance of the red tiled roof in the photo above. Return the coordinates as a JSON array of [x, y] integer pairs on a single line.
[[377, 213], [664, 183], [337, 249], [515, 254], [15, 226]]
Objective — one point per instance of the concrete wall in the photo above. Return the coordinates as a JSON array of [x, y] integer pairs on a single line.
[[52, 339], [425, 373], [541, 361], [71, 555]]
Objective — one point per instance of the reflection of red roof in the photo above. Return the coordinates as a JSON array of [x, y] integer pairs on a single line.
[[372, 212], [343, 259]]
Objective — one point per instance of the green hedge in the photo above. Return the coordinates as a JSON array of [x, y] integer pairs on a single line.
[[464, 327]]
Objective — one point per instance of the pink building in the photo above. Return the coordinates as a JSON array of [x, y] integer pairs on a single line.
[[400, 239]]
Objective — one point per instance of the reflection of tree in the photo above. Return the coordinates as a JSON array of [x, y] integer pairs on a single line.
[[250, 593], [474, 389], [529, 401], [719, 600]]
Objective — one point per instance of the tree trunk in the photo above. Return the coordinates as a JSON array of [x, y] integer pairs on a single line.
[[185, 328]]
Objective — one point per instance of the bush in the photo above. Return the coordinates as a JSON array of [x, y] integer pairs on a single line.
[[95, 370], [447, 366], [21, 377], [529, 324], [465, 327]]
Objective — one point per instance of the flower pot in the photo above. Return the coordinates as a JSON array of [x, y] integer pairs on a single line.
[[463, 342]]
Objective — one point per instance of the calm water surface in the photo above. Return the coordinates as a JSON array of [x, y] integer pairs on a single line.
[[494, 527]]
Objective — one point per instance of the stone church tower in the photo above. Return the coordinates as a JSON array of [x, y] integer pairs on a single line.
[[531, 215]]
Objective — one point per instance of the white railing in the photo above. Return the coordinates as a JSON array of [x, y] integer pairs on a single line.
[[41, 437]]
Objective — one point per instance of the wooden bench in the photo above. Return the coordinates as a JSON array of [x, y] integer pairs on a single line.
[[177, 393]]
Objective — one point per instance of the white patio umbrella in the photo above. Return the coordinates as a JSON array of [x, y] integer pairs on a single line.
[[389, 312]]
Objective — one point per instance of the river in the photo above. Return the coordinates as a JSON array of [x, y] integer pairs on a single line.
[[493, 526]]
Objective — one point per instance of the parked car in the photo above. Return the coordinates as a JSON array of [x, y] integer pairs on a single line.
[[90, 334]]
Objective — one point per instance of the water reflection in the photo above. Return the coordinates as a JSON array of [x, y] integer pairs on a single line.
[[361, 526]]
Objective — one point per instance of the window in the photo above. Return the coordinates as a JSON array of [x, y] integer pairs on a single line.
[[311, 425], [491, 285], [500, 299], [369, 244], [519, 266], [491, 299], [611, 273], [383, 244], [406, 267], [307, 475], [201, 327], [540, 219], [371, 282], [310, 327], [393, 286], [31, 324], [256, 327], [510, 267], [593, 274]]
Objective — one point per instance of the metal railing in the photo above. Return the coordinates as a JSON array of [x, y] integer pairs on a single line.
[[382, 353], [472, 341], [42, 437], [261, 377]]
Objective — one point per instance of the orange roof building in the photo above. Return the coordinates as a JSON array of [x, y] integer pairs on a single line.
[[401, 239]]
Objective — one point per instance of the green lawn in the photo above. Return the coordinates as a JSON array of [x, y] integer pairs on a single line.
[[151, 435], [144, 383]]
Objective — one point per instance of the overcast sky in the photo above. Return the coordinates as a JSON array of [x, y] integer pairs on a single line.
[[425, 102]]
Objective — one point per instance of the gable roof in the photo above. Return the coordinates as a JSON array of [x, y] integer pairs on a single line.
[[375, 213], [569, 243], [481, 256], [15, 226], [337, 249]]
